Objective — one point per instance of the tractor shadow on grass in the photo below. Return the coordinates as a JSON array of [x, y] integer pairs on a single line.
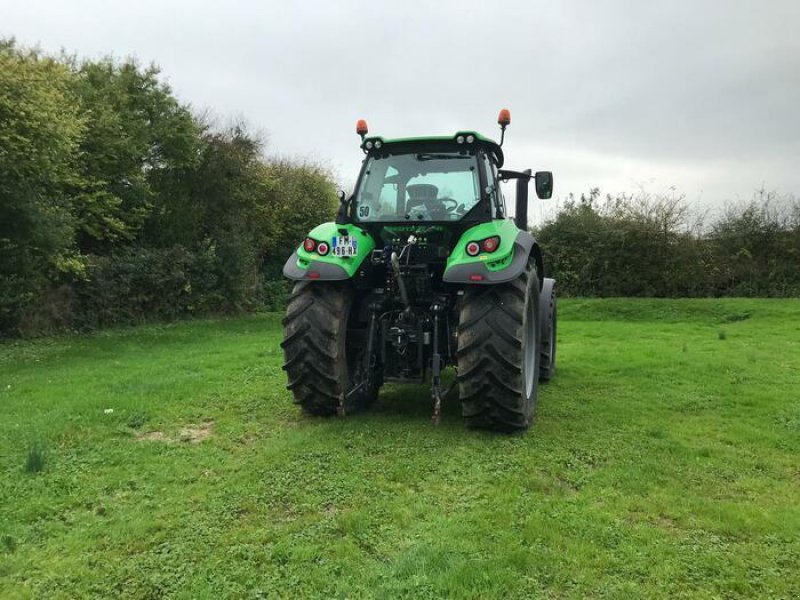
[[413, 402]]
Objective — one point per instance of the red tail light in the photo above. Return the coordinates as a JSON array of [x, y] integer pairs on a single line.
[[490, 244], [309, 245], [322, 248]]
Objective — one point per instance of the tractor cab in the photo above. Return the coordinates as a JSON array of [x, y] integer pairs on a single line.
[[432, 180]]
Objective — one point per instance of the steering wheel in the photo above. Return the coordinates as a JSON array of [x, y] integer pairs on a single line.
[[454, 203]]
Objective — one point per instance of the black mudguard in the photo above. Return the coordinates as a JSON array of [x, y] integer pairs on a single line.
[[548, 318]]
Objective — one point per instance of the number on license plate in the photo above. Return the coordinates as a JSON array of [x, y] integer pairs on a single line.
[[344, 245]]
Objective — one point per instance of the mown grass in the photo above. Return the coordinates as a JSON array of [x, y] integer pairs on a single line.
[[665, 463]]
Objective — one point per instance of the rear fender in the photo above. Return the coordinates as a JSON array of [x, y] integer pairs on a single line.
[[505, 264], [303, 265]]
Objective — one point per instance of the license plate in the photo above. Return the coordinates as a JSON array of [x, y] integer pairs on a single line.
[[344, 245]]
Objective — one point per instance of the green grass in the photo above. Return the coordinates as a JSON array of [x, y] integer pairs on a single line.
[[665, 463]]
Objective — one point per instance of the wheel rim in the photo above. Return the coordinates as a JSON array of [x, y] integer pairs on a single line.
[[529, 344]]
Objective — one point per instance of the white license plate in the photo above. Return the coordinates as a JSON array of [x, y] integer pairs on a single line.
[[344, 245]]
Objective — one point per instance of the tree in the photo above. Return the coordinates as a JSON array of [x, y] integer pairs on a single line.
[[118, 205], [138, 139], [40, 132]]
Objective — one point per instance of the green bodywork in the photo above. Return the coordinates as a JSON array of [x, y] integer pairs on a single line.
[[325, 233], [497, 260]]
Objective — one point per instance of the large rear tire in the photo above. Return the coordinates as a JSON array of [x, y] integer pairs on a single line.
[[320, 364], [498, 353]]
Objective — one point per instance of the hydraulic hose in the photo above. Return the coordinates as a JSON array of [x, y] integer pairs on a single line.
[[399, 277]]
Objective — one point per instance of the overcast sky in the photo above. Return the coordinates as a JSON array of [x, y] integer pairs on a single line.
[[697, 95]]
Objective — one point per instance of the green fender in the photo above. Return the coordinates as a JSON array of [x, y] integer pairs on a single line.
[[311, 265], [504, 264]]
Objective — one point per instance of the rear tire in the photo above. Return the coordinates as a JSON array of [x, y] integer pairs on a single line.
[[499, 354], [318, 367]]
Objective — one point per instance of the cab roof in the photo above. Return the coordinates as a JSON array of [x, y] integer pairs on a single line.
[[399, 144]]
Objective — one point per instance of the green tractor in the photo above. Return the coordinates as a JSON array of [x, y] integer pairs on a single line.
[[423, 270]]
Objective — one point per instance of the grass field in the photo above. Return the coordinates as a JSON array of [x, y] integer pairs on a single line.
[[665, 463]]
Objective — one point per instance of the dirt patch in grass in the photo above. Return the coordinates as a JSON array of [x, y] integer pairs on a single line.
[[190, 434], [666, 522], [194, 434], [151, 436]]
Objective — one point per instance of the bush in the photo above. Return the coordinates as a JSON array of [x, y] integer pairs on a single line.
[[646, 245], [140, 284], [755, 248], [276, 293], [624, 246]]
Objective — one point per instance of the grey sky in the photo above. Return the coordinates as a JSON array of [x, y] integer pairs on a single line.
[[703, 96]]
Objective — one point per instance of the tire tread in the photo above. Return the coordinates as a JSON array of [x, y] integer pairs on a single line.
[[490, 354]]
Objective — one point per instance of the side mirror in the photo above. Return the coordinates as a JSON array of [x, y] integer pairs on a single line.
[[341, 196], [544, 184]]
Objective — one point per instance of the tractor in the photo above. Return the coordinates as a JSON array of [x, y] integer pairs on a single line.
[[422, 270]]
